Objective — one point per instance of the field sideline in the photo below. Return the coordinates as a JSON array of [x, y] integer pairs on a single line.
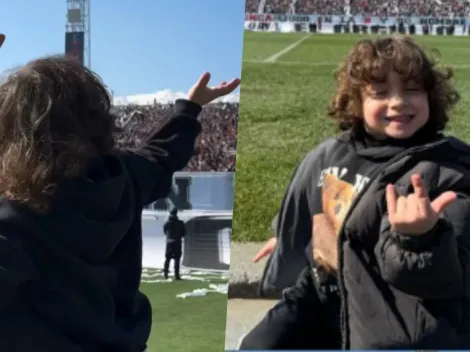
[[287, 85]]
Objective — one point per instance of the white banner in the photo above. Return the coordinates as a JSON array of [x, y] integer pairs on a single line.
[[358, 28], [358, 19]]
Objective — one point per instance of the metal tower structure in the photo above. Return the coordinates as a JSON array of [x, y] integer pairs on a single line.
[[79, 21]]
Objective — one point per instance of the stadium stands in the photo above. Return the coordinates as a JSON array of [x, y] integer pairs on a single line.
[[435, 8], [251, 6], [215, 148]]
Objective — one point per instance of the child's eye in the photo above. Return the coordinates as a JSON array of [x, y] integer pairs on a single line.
[[378, 93]]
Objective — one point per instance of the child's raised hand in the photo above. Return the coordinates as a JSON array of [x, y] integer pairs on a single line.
[[201, 94], [415, 214]]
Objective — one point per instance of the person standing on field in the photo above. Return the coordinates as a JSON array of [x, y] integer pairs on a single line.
[[174, 230]]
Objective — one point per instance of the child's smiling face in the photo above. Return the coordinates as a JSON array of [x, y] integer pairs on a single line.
[[395, 108]]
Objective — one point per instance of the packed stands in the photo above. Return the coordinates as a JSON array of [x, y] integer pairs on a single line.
[[434, 8], [216, 146], [251, 6]]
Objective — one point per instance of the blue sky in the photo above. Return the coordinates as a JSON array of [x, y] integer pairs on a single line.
[[137, 47]]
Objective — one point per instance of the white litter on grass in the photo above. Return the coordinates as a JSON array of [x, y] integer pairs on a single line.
[[194, 278], [150, 276], [208, 274], [199, 292], [157, 281], [156, 276]]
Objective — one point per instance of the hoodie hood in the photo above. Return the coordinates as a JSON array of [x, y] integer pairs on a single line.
[[91, 214], [378, 150]]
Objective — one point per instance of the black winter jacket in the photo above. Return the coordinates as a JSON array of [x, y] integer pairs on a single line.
[[395, 291]]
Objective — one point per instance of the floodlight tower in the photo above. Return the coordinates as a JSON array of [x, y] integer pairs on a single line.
[[78, 31]]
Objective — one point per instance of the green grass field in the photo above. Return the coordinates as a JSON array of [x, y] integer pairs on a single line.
[[192, 324], [282, 114]]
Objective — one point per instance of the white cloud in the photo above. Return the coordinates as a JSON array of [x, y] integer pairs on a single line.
[[164, 97]]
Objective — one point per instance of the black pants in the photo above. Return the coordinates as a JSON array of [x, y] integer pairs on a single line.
[[298, 323], [173, 251]]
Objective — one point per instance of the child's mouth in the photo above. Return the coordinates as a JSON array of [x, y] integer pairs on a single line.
[[399, 118]]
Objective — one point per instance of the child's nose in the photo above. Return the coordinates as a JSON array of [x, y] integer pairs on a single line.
[[397, 100]]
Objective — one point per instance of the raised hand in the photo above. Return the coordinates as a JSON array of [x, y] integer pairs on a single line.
[[201, 94], [415, 214]]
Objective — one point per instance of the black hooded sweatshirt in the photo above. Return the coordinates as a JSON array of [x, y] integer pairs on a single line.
[[69, 279]]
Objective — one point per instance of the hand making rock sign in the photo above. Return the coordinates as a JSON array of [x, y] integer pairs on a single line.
[[415, 214]]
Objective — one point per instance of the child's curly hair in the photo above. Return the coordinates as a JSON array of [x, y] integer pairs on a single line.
[[54, 119], [370, 61]]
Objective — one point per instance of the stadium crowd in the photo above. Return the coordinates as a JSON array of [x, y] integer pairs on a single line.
[[216, 146], [435, 8]]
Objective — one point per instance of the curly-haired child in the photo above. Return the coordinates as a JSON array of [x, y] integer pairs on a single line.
[[385, 210]]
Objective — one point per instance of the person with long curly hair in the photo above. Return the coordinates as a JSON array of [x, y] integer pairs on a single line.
[[71, 205]]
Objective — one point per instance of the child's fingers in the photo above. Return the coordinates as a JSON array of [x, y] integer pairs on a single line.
[[391, 198], [203, 80], [418, 187], [227, 88], [261, 254], [441, 202], [267, 249]]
